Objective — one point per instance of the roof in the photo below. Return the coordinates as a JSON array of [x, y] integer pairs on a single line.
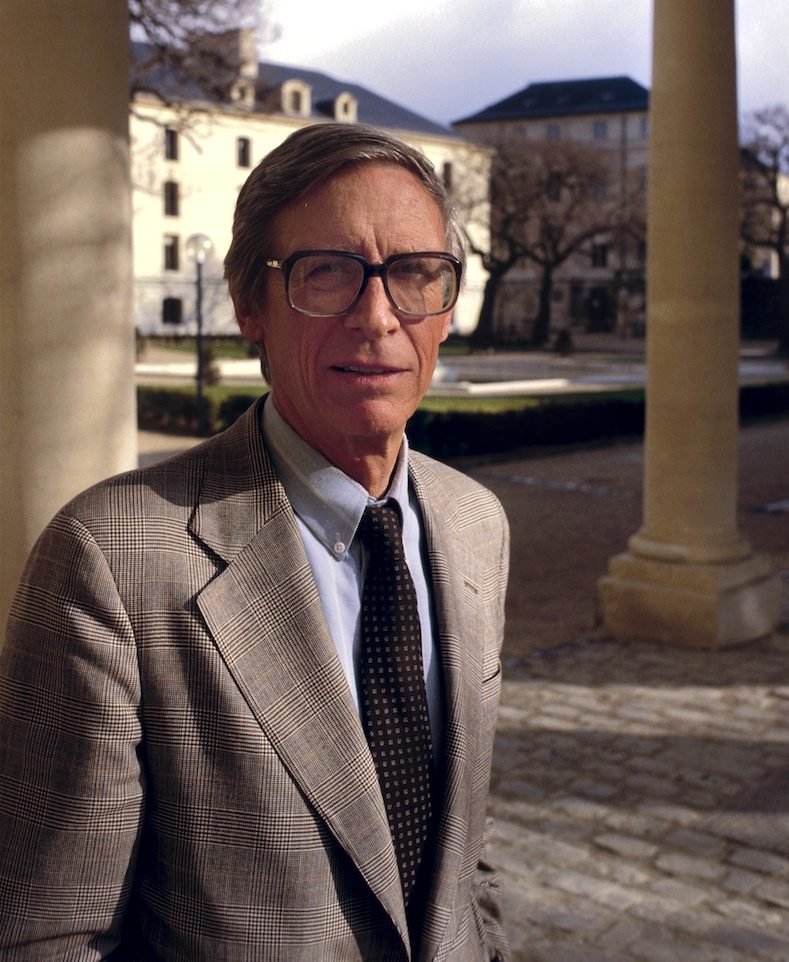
[[563, 98], [371, 107]]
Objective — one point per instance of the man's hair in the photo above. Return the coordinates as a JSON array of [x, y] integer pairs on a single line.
[[306, 159]]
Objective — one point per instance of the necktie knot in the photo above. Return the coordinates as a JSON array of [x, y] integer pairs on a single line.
[[379, 528]]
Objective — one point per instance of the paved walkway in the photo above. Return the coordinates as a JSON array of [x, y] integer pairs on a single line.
[[641, 794], [602, 361], [641, 798]]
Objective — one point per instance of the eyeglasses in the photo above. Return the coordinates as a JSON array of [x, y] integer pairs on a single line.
[[330, 283]]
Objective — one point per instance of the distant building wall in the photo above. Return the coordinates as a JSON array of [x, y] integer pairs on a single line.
[[186, 181], [598, 289]]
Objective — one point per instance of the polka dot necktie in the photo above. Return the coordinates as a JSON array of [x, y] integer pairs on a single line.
[[394, 703]]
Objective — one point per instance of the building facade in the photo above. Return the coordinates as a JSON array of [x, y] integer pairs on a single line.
[[601, 286], [191, 154]]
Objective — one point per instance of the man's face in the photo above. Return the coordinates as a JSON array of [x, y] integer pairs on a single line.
[[348, 384]]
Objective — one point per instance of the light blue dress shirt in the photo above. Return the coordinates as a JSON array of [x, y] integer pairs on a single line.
[[328, 506]]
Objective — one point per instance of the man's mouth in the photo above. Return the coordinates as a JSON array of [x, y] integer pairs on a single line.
[[363, 369]]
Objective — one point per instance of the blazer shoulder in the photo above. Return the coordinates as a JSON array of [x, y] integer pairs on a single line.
[[177, 481], [435, 475], [462, 504]]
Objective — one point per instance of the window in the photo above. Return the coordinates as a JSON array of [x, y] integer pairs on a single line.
[[171, 199], [599, 255], [553, 132], [296, 98], [172, 310], [645, 127], [243, 152], [171, 252], [446, 174], [346, 107], [170, 143], [553, 187], [600, 130]]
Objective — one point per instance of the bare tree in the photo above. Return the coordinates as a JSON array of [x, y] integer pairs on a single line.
[[765, 198], [547, 203], [183, 54]]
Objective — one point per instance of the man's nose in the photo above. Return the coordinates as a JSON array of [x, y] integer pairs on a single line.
[[373, 312]]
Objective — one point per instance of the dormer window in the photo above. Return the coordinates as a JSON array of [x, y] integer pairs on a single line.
[[242, 94], [296, 98], [346, 108]]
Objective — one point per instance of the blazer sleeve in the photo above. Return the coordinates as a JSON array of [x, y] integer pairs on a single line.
[[71, 801]]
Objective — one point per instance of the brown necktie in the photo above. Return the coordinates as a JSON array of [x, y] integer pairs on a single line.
[[394, 703]]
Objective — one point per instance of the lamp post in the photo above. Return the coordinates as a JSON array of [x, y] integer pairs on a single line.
[[199, 248]]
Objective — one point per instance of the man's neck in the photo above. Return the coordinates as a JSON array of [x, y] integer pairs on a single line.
[[370, 461], [373, 472]]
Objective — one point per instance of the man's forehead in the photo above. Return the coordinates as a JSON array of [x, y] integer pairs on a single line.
[[367, 177], [376, 190]]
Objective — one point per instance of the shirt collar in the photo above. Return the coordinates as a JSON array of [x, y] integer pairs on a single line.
[[326, 500]]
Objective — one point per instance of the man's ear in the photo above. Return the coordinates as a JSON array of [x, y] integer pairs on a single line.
[[249, 323]]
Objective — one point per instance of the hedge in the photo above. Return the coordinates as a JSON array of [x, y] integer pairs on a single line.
[[452, 427]]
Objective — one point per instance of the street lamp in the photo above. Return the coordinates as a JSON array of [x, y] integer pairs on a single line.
[[198, 249]]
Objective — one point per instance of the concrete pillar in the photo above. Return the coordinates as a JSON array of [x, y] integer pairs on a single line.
[[67, 409], [689, 578]]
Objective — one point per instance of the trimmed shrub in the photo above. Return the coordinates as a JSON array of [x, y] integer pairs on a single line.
[[448, 427]]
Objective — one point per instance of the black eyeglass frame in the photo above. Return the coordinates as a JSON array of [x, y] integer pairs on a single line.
[[287, 264]]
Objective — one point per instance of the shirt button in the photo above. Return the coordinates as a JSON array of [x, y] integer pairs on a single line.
[[339, 547]]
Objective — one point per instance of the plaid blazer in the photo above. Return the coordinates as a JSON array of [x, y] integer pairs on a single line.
[[183, 775]]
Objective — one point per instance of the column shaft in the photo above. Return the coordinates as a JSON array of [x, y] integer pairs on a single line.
[[693, 287], [67, 346], [689, 577]]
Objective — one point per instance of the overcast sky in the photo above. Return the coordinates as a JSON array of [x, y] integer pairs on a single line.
[[446, 59]]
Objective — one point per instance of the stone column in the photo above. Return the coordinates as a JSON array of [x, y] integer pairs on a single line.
[[689, 578], [67, 408]]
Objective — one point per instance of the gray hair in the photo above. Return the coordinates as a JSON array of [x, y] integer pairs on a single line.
[[306, 159]]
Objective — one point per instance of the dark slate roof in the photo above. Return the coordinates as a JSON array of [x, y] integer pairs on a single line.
[[372, 108], [562, 98]]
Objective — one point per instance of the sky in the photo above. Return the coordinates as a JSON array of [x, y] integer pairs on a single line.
[[447, 59]]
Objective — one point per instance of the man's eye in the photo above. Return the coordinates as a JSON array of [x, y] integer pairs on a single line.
[[422, 269], [329, 268], [405, 268]]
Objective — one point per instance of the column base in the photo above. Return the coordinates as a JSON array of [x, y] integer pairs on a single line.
[[689, 605]]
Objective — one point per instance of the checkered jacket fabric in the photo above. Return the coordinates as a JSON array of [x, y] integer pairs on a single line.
[[183, 775]]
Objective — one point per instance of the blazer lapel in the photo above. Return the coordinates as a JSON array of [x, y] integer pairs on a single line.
[[264, 613]]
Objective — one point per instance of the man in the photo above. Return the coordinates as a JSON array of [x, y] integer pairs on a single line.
[[191, 716]]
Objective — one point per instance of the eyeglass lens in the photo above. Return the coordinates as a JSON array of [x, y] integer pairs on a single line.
[[327, 284]]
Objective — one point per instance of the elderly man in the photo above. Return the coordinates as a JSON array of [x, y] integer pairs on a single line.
[[248, 696]]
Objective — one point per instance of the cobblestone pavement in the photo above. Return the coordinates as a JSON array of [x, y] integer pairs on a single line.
[[641, 798], [641, 793]]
